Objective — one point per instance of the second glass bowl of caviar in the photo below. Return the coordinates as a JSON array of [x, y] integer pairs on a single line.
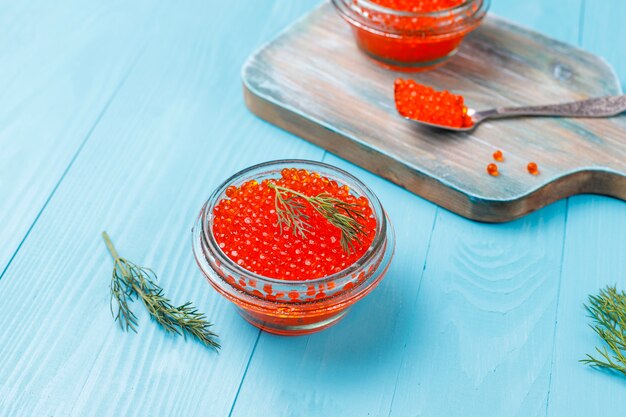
[[410, 41], [292, 307]]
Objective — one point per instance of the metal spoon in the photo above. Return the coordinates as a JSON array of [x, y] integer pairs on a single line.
[[594, 107]]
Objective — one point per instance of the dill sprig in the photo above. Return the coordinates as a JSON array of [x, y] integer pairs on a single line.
[[337, 212], [608, 311], [130, 281]]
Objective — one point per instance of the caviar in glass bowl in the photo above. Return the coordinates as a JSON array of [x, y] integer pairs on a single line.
[[411, 35], [292, 279]]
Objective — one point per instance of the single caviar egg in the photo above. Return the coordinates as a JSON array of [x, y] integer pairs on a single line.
[[533, 169], [492, 169], [498, 156], [275, 228]]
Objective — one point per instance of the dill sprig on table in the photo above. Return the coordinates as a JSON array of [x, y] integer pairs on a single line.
[[337, 212], [608, 311], [130, 281]]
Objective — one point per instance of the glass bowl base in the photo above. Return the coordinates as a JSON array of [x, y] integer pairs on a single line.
[[290, 327], [408, 66]]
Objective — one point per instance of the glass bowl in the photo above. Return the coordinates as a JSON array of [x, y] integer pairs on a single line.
[[409, 41], [290, 307]]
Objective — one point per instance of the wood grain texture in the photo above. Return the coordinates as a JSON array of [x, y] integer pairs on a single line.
[[603, 31], [55, 60], [330, 94], [463, 325], [593, 259], [542, 16], [173, 132], [486, 311]]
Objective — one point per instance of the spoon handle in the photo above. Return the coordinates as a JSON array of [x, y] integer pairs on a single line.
[[595, 107]]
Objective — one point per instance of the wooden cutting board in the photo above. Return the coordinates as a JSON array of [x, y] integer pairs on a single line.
[[314, 82]]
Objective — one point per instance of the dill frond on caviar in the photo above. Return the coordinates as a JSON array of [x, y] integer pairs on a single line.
[[298, 226]]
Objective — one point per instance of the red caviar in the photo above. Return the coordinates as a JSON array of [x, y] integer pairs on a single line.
[[293, 305], [533, 169], [246, 229], [411, 34], [498, 156], [423, 103], [492, 169]]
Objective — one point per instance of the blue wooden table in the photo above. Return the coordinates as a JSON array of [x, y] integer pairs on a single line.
[[125, 115]]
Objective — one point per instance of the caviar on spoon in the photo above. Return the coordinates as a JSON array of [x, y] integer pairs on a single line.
[[444, 110]]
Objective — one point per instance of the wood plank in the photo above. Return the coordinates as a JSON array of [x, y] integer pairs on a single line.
[[294, 83], [482, 340], [175, 130], [557, 19], [172, 133], [594, 258], [61, 66], [604, 31]]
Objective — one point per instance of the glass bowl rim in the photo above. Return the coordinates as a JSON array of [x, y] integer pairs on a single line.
[[404, 13], [356, 18], [379, 242]]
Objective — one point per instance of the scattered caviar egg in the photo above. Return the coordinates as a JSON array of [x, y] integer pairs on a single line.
[[425, 104], [498, 156], [533, 169], [492, 169], [247, 229]]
